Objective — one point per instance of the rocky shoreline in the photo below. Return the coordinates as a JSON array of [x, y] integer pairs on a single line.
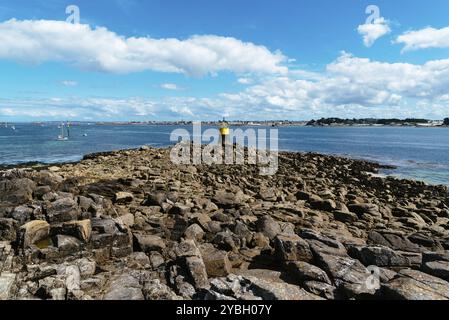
[[130, 225]]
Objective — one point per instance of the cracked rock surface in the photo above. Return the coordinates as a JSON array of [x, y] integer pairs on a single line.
[[130, 225]]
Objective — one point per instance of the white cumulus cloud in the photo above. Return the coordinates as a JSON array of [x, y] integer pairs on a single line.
[[352, 87], [98, 49], [171, 86], [425, 38], [349, 87], [371, 32], [245, 81], [69, 83]]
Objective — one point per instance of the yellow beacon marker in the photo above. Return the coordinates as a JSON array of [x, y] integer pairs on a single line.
[[224, 131], [224, 128]]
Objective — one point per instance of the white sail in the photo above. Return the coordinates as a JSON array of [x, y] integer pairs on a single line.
[[62, 136]]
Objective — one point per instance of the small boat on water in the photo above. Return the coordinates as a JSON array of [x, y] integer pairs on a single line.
[[8, 126], [62, 136]]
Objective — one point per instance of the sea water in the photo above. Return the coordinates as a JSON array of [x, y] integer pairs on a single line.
[[418, 153]]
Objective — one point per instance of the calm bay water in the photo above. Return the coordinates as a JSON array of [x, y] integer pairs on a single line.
[[419, 153]]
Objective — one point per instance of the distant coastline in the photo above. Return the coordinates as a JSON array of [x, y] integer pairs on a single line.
[[323, 122], [410, 122]]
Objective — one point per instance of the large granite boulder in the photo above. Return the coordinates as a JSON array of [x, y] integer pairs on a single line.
[[63, 210], [438, 269], [124, 287], [8, 229], [33, 232], [16, 191], [292, 248], [416, 285], [385, 257]]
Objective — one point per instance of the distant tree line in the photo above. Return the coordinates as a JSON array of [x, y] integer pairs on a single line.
[[368, 121]]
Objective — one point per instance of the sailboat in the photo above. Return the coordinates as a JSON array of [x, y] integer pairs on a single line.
[[68, 129], [62, 136]]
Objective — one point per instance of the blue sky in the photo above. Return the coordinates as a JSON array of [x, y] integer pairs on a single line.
[[202, 59]]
